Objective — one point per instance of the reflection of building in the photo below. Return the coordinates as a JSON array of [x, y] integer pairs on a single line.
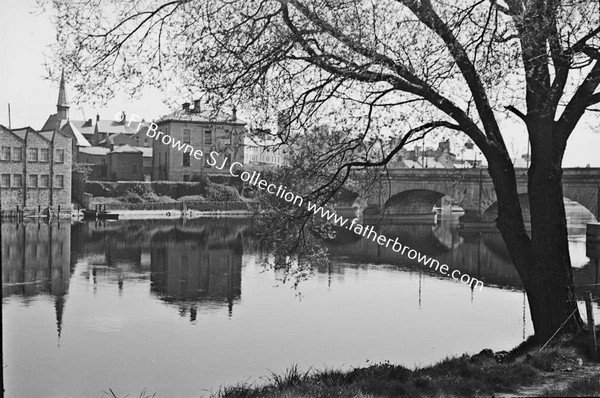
[[204, 130], [190, 270], [36, 259]]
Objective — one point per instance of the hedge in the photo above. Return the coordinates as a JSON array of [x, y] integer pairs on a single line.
[[162, 188]]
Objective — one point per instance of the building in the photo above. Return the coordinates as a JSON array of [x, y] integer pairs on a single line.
[[204, 130], [125, 163], [440, 158], [100, 133], [96, 158], [262, 151], [75, 130], [117, 163], [121, 132], [35, 169]]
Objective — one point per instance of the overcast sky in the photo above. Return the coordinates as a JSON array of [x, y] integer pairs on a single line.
[[25, 36]]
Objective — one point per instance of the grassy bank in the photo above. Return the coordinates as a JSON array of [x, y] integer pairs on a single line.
[[484, 374]]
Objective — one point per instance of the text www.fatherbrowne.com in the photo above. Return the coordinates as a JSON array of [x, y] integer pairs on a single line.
[[281, 192]]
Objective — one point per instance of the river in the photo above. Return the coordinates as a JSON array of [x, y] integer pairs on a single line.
[[180, 308]]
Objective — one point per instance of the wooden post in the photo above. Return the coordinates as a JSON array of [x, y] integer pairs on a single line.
[[591, 325]]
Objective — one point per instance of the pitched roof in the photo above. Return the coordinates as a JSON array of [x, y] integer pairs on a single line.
[[146, 152], [94, 150], [203, 116], [22, 132], [48, 134], [112, 127], [71, 127], [80, 140], [11, 132], [125, 149], [411, 164]]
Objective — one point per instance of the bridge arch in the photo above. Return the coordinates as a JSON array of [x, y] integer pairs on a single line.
[[414, 201], [576, 212]]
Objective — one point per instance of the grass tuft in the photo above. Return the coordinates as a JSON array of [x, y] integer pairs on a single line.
[[586, 387]]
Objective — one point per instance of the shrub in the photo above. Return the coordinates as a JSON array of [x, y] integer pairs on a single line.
[[222, 193], [132, 197], [249, 192]]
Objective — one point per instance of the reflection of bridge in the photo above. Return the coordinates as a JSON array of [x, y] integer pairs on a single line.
[[482, 255], [416, 191]]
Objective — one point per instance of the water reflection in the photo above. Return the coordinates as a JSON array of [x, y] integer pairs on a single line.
[[191, 295], [196, 265], [481, 254]]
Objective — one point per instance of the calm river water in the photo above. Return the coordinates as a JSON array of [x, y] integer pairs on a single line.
[[181, 308]]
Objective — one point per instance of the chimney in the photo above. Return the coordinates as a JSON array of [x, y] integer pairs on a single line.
[[197, 106], [234, 113], [123, 117], [186, 107], [97, 117]]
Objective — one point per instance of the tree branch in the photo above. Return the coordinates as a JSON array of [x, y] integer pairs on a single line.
[[516, 112], [583, 97]]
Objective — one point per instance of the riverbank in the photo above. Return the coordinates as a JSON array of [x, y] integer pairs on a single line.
[[561, 369]]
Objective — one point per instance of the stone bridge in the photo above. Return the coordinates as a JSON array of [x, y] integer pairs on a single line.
[[417, 191]]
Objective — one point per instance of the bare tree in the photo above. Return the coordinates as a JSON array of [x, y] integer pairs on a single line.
[[384, 70]]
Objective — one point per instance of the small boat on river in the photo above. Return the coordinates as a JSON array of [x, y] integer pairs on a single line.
[[99, 214]]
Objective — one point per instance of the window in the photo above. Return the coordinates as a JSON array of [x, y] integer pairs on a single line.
[[134, 169], [17, 180], [207, 137], [5, 180], [146, 142], [33, 181], [186, 177], [44, 181], [60, 181], [187, 136], [186, 159], [6, 153], [32, 154], [44, 155], [17, 155], [59, 156]]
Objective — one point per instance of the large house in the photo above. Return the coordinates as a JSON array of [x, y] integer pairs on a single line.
[[35, 169], [203, 129], [262, 150]]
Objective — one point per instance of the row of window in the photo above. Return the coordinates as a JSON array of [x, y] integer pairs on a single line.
[[34, 181], [208, 137], [34, 155]]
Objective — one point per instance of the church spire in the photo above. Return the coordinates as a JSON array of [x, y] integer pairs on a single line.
[[62, 106]]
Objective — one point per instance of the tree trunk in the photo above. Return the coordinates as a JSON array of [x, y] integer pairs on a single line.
[[550, 286], [542, 261]]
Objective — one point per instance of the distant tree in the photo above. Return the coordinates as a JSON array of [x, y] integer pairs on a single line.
[[387, 70]]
